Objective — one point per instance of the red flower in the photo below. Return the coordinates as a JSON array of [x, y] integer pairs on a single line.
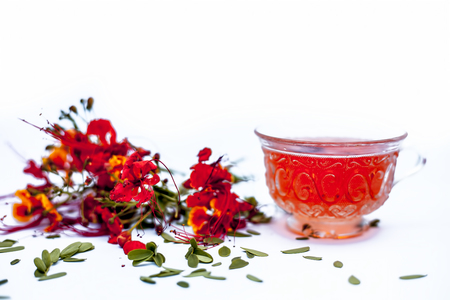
[[137, 183], [215, 209], [133, 245]]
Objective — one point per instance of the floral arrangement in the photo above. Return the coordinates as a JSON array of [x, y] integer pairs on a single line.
[[94, 185]]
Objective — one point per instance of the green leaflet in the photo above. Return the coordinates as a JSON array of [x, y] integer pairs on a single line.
[[216, 264], [159, 259], [140, 254], [213, 241], [15, 262], [255, 252], [224, 251], [54, 255], [253, 278], [53, 276], [193, 243], [193, 261], [313, 257], [147, 280], [167, 237], [198, 272], [53, 236], [46, 258], [209, 276], [85, 247], [203, 256], [40, 265], [254, 232], [238, 234], [73, 259], [237, 264], [3, 281], [6, 244], [296, 250], [353, 280], [407, 277], [70, 250], [338, 264], [183, 284], [12, 249]]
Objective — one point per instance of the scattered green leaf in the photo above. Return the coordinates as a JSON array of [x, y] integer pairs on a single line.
[[198, 272], [224, 251], [209, 276], [12, 249], [53, 236], [237, 264], [53, 276], [296, 250], [407, 277], [73, 259], [3, 281], [253, 278], [255, 252], [15, 262], [249, 254], [183, 284], [338, 264], [312, 257], [216, 264], [254, 232], [353, 280], [238, 234], [213, 241], [147, 280]]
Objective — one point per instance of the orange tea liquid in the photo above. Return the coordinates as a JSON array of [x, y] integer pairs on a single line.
[[329, 187]]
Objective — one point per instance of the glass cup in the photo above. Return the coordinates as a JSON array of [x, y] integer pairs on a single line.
[[328, 172]]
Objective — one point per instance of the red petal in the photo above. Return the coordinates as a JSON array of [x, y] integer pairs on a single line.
[[133, 245], [204, 154], [101, 128]]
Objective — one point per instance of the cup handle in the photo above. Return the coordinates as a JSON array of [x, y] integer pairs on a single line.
[[421, 161]]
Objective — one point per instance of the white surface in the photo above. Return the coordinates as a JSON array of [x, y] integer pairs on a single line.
[[176, 76]]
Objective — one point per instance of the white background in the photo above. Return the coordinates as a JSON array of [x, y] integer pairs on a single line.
[[176, 76]]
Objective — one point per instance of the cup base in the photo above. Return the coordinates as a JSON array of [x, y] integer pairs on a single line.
[[327, 228]]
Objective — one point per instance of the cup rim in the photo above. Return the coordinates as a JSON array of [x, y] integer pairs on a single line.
[[336, 143]]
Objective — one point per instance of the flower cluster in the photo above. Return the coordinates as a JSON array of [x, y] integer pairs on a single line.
[[215, 210], [113, 189]]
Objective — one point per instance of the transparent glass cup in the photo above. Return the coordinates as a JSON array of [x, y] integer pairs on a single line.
[[329, 172]]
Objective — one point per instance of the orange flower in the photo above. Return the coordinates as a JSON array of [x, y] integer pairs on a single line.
[[199, 219], [116, 163], [35, 205]]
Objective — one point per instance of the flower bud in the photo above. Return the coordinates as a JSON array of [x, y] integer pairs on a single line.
[[123, 237]]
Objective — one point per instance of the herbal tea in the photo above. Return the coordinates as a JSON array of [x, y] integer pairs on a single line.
[[329, 187]]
